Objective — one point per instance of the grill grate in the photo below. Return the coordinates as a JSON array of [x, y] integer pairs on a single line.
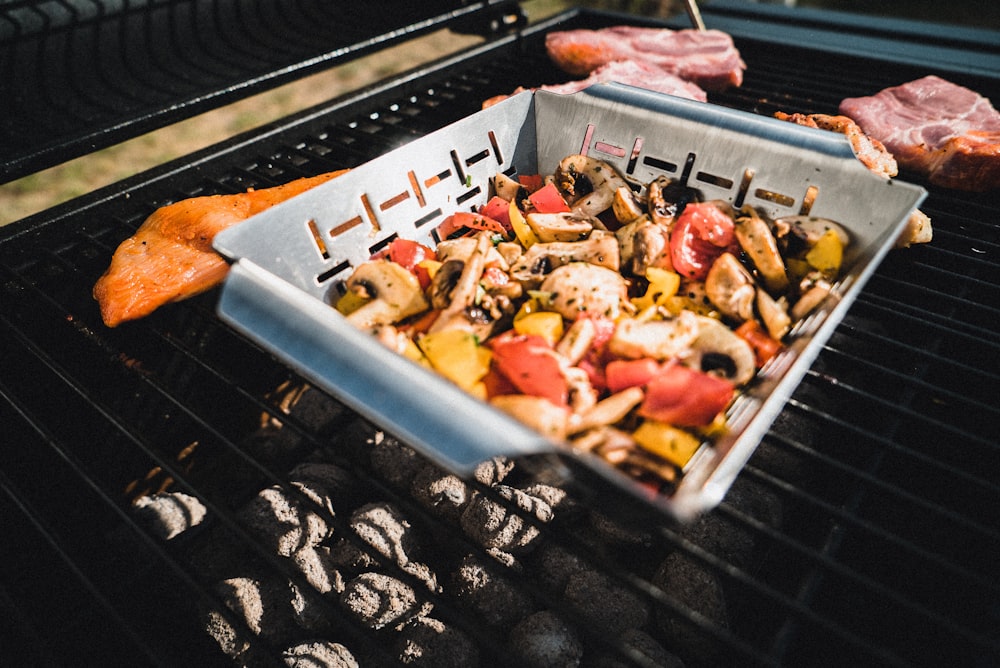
[[76, 76], [864, 530]]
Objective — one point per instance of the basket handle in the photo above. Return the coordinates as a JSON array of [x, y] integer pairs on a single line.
[[453, 428]]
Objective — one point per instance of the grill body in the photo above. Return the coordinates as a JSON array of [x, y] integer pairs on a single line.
[[862, 532]]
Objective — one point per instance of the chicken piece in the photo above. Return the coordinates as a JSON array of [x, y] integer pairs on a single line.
[[580, 287], [170, 257], [876, 157], [870, 151], [659, 339]]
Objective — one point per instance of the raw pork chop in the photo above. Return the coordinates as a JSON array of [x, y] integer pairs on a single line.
[[936, 128], [633, 73], [708, 58]]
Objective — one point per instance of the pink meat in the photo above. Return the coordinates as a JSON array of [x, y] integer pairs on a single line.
[[629, 72], [638, 74], [707, 58], [933, 127]]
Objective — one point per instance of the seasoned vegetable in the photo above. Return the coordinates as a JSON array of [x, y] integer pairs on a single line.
[[620, 320]]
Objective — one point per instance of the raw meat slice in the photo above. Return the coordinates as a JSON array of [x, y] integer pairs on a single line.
[[935, 128], [708, 58], [630, 72]]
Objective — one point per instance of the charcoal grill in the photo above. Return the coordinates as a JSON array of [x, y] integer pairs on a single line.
[[862, 532]]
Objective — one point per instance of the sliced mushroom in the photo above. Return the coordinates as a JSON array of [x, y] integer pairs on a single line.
[[601, 249], [626, 206], [811, 297], [444, 281], [463, 295], [589, 184], [540, 414], [568, 226], [394, 294], [661, 211], [607, 411], [582, 287], [659, 339], [774, 313], [508, 188], [731, 288], [720, 351], [667, 198], [644, 244], [757, 241], [797, 234]]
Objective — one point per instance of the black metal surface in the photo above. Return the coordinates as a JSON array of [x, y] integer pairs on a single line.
[[863, 532], [79, 75]]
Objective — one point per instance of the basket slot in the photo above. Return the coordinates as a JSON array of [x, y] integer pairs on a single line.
[[393, 201], [661, 165], [609, 149]]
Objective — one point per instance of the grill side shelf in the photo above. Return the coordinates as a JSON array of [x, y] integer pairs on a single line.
[[964, 52]]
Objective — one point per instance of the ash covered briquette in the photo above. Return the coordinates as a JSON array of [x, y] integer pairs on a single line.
[[505, 568]]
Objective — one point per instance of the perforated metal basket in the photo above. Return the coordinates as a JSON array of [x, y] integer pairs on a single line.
[[289, 260]]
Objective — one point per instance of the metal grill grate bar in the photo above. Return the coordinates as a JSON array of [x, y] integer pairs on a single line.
[[799, 546]]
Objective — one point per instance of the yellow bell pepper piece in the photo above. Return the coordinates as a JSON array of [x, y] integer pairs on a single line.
[[457, 355], [414, 353], [546, 324], [478, 390], [678, 303], [827, 254], [663, 285], [525, 235], [530, 305], [667, 441], [350, 302], [431, 266]]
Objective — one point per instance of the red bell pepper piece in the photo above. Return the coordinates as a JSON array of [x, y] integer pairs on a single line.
[[701, 234], [622, 374], [530, 364], [685, 397], [548, 199], [763, 344]]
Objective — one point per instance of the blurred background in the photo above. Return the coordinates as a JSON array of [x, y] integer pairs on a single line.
[[37, 192]]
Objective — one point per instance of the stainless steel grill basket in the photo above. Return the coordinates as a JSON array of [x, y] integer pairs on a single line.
[[290, 261]]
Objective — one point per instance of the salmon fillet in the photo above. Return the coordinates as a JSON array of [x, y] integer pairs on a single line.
[[170, 257]]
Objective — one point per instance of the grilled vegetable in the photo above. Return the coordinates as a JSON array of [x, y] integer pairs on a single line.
[[648, 331]]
